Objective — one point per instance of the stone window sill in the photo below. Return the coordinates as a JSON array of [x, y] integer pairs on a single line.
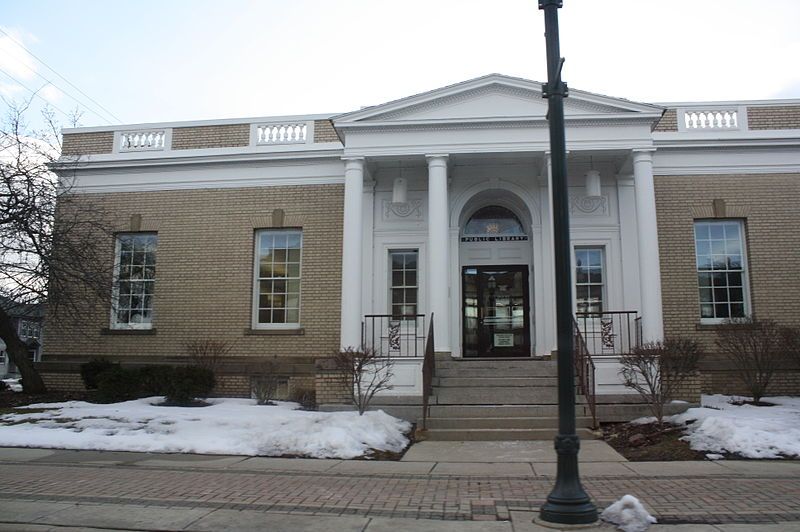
[[299, 331], [127, 332]]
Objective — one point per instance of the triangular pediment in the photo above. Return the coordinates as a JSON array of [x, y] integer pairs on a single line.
[[491, 97]]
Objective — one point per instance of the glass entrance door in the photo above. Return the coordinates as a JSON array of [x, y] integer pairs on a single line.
[[495, 308]]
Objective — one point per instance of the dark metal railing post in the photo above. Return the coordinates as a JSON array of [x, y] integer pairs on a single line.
[[568, 503]]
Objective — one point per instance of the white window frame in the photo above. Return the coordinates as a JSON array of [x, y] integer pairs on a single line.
[[745, 269], [255, 324], [603, 270], [390, 270], [115, 287]]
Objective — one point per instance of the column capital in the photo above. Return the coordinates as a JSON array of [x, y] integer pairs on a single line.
[[353, 162], [435, 159], [643, 154]]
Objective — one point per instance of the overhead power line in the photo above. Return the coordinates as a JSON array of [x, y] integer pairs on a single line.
[[60, 76], [36, 93]]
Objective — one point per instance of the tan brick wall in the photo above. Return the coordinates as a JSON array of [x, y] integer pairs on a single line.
[[324, 132], [87, 143], [727, 382], [774, 117], [768, 204], [64, 382], [199, 137], [204, 274], [668, 122]]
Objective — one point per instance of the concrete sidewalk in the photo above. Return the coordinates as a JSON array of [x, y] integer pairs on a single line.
[[46, 489]]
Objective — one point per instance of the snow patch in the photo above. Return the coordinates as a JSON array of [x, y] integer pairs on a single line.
[[13, 385], [628, 514], [719, 427], [227, 426], [714, 456]]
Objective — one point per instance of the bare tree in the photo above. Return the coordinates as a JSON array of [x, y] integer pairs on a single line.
[[53, 243], [657, 370], [757, 349], [265, 382], [363, 372]]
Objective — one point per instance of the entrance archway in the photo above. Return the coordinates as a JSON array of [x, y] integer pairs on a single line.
[[495, 257]]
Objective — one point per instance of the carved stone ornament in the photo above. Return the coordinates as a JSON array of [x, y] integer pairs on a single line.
[[410, 209], [588, 205]]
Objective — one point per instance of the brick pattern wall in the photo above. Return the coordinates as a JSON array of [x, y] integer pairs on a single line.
[[87, 143], [768, 204], [204, 275], [324, 132], [199, 137], [727, 382], [668, 122], [690, 389], [65, 382], [774, 117], [330, 385]]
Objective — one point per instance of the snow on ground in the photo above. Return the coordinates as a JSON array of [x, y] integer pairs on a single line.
[[628, 514], [750, 431], [228, 426], [13, 385]]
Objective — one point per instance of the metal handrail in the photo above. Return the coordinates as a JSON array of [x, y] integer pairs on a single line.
[[609, 332], [428, 372], [396, 336], [585, 371]]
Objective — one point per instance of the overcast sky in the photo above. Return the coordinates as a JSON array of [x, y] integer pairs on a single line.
[[149, 61]]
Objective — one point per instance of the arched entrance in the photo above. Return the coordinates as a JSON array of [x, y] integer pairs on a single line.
[[495, 259]]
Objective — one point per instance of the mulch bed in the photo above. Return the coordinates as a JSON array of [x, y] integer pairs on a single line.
[[648, 442], [9, 399]]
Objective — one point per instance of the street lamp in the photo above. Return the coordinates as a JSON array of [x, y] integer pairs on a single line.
[[568, 503]]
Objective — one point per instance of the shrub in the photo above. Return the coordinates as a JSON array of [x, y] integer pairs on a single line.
[[90, 371], [187, 383], [155, 380], [307, 397], [756, 348], [363, 373], [265, 382], [4, 387], [118, 384], [656, 370], [207, 352]]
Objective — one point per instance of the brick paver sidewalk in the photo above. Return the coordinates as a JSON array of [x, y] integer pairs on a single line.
[[694, 499]]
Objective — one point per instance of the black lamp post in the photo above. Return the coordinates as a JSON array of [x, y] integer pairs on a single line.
[[568, 503]]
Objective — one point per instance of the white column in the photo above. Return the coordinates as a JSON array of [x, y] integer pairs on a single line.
[[649, 264], [547, 314], [351, 252], [438, 250]]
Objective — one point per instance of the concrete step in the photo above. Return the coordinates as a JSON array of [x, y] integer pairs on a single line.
[[494, 396], [497, 371], [500, 434], [492, 411], [491, 363], [470, 423], [500, 382]]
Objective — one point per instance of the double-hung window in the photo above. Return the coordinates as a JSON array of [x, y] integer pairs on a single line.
[[277, 279], [589, 279], [134, 281], [404, 279], [721, 269]]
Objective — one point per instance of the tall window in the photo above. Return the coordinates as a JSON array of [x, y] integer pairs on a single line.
[[404, 282], [719, 247], [29, 329], [135, 278], [589, 279], [277, 278]]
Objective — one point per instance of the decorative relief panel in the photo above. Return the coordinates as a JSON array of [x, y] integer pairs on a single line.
[[410, 210], [580, 205]]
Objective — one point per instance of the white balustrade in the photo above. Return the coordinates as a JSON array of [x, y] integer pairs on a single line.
[[714, 119], [142, 140], [293, 133]]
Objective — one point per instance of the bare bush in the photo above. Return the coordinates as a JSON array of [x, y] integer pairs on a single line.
[[265, 382], [207, 352], [658, 369], [757, 349], [363, 372]]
